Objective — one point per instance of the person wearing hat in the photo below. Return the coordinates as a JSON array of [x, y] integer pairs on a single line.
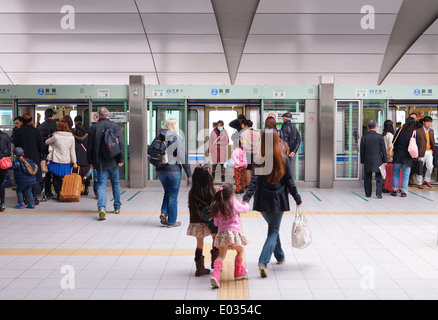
[[24, 173]]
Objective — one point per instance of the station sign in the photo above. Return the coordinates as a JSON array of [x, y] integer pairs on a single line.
[[386, 92], [120, 117], [219, 92], [297, 117]]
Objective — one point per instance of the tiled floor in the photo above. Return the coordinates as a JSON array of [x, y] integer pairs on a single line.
[[363, 248]]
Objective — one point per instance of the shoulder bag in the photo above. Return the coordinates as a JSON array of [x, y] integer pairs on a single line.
[[390, 151], [412, 147]]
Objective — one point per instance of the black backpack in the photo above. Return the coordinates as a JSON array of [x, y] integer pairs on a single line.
[[111, 145], [157, 152]]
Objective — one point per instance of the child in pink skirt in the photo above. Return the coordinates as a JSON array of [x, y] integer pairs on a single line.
[[226, 213]]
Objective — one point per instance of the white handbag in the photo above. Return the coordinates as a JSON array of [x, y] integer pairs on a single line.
[[301, 235]]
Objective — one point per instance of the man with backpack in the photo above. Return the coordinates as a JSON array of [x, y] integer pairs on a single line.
[[106, 153]]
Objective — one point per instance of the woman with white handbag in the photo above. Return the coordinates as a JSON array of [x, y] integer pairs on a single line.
[[271, 194]]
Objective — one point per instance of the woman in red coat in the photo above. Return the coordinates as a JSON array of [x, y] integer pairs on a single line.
[[218, 144]]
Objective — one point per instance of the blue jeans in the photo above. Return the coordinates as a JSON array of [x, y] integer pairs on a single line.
[[27, 189], [396, 176], [102, 176], [272, 243], [171, 182]]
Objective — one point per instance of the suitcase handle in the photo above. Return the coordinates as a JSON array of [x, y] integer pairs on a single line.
[[72, 168]]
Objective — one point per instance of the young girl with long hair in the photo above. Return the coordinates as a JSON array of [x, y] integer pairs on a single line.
[[201, 225], [226, 213]]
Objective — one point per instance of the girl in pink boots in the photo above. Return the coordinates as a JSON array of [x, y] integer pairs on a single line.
[[226, 213]]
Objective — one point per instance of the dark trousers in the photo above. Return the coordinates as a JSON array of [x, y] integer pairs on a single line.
[[368, 186], [2, 188], [48, 183]]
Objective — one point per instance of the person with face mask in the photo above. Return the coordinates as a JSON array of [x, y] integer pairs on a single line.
[[218, 147]]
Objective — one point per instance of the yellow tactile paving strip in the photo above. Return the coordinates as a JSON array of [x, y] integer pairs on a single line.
[[230, 289], [250, 214]]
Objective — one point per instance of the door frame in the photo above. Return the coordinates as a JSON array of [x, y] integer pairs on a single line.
[[359, 125]]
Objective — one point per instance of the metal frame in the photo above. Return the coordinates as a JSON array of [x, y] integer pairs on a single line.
[[360, 110]]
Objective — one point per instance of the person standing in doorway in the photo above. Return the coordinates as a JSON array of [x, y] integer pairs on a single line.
[[289, 133], [105, 165], [402, 159], [372, 155], [426, 151], [29, 139], [218, 146], [250, 142], [47, 128]]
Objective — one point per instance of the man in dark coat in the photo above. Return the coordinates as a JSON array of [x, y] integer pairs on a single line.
[[372, 155], [291, 136], [105, 166], [46, 130]]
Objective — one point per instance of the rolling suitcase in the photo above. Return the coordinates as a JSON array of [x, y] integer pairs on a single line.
[[71, 187], [387, 183]]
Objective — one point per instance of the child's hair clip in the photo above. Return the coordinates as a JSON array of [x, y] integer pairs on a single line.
[[220, 188]]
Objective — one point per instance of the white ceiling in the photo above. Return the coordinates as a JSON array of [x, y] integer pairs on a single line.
[[290, 42]]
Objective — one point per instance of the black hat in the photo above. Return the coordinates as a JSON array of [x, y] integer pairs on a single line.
[[18, 151]]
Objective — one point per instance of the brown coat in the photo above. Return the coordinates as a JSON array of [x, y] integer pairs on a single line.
[[423, 142]]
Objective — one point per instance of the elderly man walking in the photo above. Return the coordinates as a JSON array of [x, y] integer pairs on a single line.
[[372, 155], [105, 138]]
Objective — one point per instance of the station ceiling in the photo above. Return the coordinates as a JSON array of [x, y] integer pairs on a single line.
[[242, 42]]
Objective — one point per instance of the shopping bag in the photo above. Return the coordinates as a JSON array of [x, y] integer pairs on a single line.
[[417, 166], [5, 163], [382, 169], [301, 235]]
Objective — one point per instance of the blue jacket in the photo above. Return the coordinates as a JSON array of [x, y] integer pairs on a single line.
[[21, 173]]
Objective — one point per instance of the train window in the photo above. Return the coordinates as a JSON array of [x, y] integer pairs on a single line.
[[400, 118], [73, 113], [6, 118]]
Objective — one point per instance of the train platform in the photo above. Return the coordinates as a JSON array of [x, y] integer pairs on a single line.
[[362, 248]]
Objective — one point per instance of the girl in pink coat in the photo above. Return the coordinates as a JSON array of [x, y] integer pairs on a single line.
[[226, 210]]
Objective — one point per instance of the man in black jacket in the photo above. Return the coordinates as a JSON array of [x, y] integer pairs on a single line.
[[46, 130], [292, 137], [105, 166], [372, 155]]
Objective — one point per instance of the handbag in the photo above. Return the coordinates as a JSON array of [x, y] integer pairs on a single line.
[[412, 147], [417, 166], [44, 168], [5, 163], [301, 235]]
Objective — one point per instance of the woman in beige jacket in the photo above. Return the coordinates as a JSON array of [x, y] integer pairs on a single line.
[[388, 135], [61, 154]]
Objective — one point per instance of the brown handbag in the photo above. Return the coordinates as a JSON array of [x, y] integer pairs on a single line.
[[390, 151]]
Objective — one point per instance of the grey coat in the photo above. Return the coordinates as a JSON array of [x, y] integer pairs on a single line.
[[372, 151]]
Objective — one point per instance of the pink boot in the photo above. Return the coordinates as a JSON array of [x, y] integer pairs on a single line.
[[216, 273], [239, 271]]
